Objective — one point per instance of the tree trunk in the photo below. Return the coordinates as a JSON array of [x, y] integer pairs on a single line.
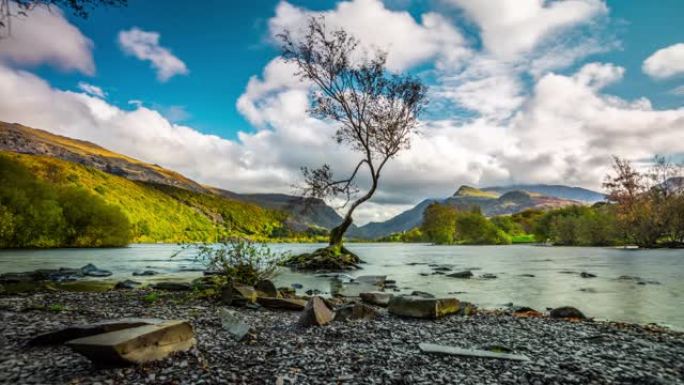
[[337, 233]]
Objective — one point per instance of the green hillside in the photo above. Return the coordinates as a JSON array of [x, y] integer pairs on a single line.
[[159, 213]]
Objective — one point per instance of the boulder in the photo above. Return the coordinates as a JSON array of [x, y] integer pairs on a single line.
[[525, 312], [61, 336], [584, 274], [91, 270], [316, 313], [461, 274], [267, 287], [419, 307], [376, 298], [237, 294], [145, 273], [282, 303], [567, 312], [136, 345], [127, 284], [356, 311], [233, 324], [173, 286]]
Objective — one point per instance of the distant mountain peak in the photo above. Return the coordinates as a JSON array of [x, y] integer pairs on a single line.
[[469, 191]]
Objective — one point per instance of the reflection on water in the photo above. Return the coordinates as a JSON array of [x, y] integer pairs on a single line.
[[533, 276]]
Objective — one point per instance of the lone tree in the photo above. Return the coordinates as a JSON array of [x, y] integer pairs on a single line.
[[376, 111]]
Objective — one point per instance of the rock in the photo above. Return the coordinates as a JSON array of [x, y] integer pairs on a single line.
[[566, 312], [525, 312], [127, 284], [79, 331], [377, 298], [584, 274], [375, 280], [145, 273], [316, 313], [453, 350], [297, 286], [286, 292], [461, 274], [422, 294], [91, 270], [418, 307], [353, 312], [233, 324], [527, 275], [267, 287], [488, 276], [86, 286], [282, 303], [313, 292], [173, 286], [136, 345], [238, 295], [442, 268]]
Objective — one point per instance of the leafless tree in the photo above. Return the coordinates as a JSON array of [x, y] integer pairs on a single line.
[[377, 111]]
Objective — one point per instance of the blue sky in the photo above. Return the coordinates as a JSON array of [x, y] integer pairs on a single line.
[[521, 91], [224, 43]]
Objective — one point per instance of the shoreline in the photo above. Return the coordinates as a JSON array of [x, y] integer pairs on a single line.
[[385, 350]]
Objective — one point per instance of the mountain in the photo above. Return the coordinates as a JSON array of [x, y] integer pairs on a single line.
[[26, 140], [559, 191], [488, 200]]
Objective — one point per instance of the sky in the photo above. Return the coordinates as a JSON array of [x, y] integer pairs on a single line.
[[520, 91]]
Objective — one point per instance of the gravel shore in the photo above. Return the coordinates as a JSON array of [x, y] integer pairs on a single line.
[[383, 351]]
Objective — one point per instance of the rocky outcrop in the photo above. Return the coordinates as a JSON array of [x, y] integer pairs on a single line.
[[419, 307]]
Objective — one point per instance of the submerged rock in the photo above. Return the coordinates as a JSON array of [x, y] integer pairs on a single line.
[[127, 284], [377, 298], [91, 270], [584, 274], [136, 345], [422, 294], [61, 336], [316, 313], [419, 307], [145, 273], [461, 274], [488, 276], [567, 312]]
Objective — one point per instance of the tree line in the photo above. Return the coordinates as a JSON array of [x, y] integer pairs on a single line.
[[34, 213]]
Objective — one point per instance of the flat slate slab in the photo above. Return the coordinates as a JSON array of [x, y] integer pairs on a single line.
[[136, 345], [282, 303], [455, 351], [79, 331]]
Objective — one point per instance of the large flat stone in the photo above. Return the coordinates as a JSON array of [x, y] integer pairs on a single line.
[[419, 307], [136, 345], [376, 298], [79, 331]]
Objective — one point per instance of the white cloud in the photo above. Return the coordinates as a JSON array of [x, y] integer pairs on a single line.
[[408, 42], [45, 36], [678, 90], [91, 89], [509, 28], [666, 62], [145, 46]]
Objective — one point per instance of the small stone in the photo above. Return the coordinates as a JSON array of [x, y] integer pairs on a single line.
[[233, 324]]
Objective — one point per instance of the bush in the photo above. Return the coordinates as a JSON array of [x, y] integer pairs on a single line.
[[240, 260]]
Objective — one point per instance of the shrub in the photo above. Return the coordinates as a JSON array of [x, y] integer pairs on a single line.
[[240, 260]]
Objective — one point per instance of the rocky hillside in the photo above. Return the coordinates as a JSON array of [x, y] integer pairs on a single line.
[[558, 191], [26, 140]]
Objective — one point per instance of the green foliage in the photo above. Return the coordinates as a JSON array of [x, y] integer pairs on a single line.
[[240, 260], [155, 213], [56, 308], [151, 298], [578, 226], [411, 236], [39, 214], [443, 224]]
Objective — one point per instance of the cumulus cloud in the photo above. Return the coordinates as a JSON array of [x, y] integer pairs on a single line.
[[666, 62], [509, 28], [407, 41], [91, 89], [45, 36], [144, 45]]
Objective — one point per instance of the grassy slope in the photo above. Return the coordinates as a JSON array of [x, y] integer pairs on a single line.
[[160, 213]]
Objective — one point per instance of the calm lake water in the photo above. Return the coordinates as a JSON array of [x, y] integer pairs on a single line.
[[556, 280]]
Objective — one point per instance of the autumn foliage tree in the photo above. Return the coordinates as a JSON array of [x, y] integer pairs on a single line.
[[376, 113]]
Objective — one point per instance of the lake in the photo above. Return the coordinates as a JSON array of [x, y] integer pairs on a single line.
[[556, 280]]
